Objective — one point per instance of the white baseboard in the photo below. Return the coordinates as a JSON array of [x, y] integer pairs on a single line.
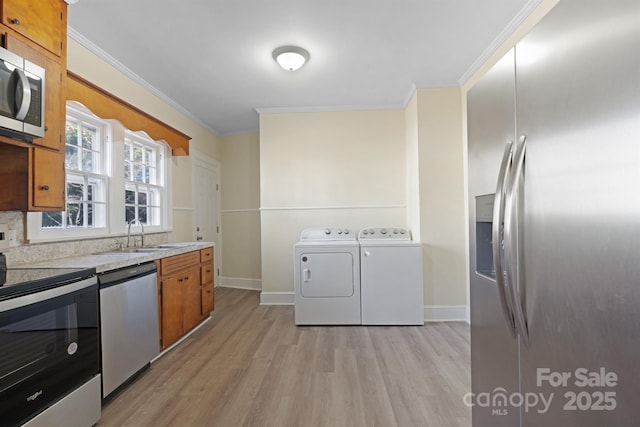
[[276, 298], [445, 313], [240, 283]]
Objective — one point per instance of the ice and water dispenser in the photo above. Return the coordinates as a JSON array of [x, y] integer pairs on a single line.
[[484, 228]]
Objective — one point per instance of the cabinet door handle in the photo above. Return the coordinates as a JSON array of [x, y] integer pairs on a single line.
[[45, 187], [15, 21]]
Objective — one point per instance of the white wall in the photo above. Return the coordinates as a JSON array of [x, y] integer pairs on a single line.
[[345, 169], [241, 258], [442, 205]]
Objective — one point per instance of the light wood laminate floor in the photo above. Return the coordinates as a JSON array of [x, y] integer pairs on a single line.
[[251, 366]]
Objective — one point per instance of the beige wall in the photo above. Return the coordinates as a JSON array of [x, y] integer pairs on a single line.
[[344, 169], [441, 182], [241, 258], [88, 65]]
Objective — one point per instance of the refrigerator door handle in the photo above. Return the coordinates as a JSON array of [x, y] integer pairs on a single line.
[[497, 236], [512, 242]]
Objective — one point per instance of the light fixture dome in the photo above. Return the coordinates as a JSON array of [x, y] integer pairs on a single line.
[[291, 58]]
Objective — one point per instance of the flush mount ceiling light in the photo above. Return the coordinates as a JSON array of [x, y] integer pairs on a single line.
[[290, 58]]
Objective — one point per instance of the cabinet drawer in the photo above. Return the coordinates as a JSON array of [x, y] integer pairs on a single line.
[[179, 262], [206, 273], [207, 299], [206, 254]]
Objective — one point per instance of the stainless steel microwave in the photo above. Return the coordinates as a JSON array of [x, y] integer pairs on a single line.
[[22, 85]]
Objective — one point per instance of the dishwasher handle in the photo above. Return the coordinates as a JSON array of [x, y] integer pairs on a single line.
[[114, 277]]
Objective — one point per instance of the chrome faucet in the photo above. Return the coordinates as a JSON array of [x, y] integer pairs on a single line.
[[141, 232]]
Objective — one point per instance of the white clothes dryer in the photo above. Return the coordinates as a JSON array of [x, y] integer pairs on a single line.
[[391, 277], [327, 277]]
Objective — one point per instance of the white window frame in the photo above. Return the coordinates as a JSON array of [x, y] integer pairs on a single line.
[[113, 150], [161, 185]]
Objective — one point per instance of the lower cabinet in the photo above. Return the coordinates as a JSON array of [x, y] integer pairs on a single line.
[[182, 296]]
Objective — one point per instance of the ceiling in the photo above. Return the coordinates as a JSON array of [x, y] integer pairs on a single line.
[[212, 58]]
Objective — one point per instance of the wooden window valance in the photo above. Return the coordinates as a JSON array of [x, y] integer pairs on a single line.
[[107, 106]]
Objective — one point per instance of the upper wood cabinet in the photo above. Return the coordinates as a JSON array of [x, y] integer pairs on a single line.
[[48, 180], [55, 102], [42, 21], [37, 31]]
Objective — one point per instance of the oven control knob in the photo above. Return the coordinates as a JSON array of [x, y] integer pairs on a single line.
[[327, 231], [346, 231], [383, 231]]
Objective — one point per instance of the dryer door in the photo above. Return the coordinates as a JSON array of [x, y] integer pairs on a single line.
[[326, 274]]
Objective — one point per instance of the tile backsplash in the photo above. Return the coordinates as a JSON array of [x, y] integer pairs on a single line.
[[25, 253]]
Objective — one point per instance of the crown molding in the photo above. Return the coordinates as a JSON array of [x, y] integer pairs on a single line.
[[92, 47], [500, 40]]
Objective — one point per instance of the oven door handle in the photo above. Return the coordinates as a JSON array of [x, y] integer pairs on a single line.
[[47, 294]]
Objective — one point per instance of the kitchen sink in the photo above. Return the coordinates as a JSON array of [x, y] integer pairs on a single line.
[[134, 250], [175, 245]]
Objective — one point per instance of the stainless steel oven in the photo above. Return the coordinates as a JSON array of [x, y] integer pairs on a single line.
[[49, 342]]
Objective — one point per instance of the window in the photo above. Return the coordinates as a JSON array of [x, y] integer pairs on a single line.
[[143, 175], [86, 200], [113, 176]]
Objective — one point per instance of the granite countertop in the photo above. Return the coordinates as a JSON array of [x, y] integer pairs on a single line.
[[113, 260]]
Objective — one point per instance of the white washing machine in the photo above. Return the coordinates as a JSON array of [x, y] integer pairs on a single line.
[[391, 277], [327, 277]]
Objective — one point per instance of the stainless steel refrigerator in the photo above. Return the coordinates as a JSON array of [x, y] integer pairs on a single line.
[[554, 199]]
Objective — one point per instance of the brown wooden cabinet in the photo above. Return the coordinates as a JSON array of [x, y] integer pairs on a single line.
[[37, 31], [55, 102], [32, 178], [43, 21], [47, 189], [181, 293], [206, 280]]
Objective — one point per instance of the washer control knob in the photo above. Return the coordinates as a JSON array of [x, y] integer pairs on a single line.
[[395, 231], [339, 231], [327, 231], [346, 231], [402, 231], [383, 231]]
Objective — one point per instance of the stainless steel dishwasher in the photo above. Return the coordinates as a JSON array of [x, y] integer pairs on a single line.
[[128, 323]]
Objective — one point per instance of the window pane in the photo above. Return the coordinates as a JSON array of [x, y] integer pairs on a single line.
[[127, 171], [129, 213], [137, 154], [142, 214], [96, 190], [142, 197], [52, 219], [71, 157], [88, 161], [138, 173], [127, 151], [129, 196], [74, 191], [89, 136], [71, 133], [75, 215]]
